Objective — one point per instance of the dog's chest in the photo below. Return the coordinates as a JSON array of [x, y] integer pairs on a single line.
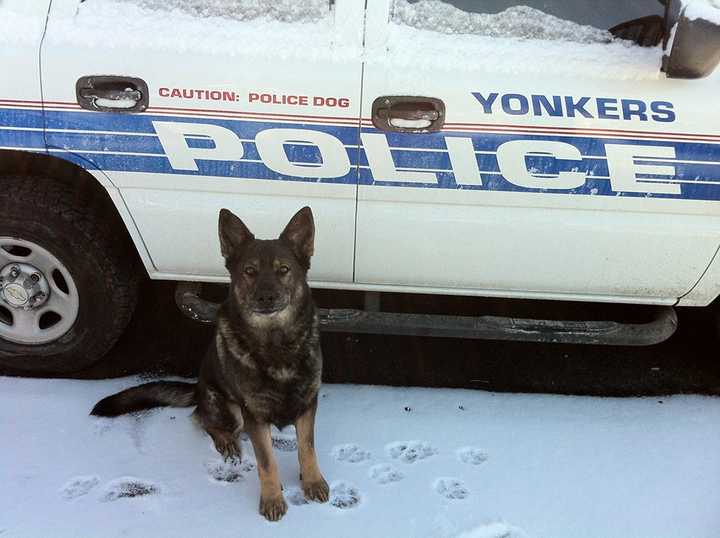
[[275, 382]]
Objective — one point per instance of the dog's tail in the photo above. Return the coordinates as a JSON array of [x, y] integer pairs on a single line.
[[155, 394]]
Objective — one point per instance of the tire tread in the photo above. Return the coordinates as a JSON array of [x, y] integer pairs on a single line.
[[85, 212]]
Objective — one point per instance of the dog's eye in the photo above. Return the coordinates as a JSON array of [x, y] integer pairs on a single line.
[[250, 271], [283, 269]]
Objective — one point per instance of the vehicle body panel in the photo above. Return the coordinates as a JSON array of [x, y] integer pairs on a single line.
[[193, 95], [514, 197], [21, 30], [585, 213]]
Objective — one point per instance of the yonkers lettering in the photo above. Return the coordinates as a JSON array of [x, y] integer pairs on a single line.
[[567, 106]]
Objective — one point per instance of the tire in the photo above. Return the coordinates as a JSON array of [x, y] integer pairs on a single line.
[[93, 287]]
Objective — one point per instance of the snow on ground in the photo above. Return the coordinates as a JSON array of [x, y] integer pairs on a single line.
[[401, 463]]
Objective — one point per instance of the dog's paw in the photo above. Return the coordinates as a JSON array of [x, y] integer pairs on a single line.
[[318, 491], [228, 447], [233, 459], [273, 508]]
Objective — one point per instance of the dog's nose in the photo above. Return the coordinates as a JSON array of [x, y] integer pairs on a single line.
[[266, 299]]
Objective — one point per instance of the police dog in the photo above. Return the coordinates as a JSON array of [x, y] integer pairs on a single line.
[[265, 363]]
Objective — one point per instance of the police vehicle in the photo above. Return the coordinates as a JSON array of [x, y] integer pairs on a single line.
[[555, 150]]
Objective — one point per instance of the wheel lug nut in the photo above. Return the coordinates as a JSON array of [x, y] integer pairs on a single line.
[[35, 277], [15, 271]]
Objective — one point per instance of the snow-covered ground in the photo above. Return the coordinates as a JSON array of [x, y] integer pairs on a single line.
[[401, 462]]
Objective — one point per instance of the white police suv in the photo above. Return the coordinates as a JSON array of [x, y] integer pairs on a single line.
[[538, 149]]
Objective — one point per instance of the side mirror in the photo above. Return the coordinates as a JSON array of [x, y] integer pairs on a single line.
[[692, 39]]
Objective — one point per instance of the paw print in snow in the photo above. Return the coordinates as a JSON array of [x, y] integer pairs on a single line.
[[295, 497], [471, 455], [451, 488], [350, 453], [344, 495], [285, 440], [129, 487], [79, 486], [227, 472], [384, 473], [494, 530], [284, 444], [410, 451]]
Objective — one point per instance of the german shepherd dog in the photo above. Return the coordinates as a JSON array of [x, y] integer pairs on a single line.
[[265, 363]]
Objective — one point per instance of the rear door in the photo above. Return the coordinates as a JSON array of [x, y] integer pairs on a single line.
[[565, 164], [190, 106]]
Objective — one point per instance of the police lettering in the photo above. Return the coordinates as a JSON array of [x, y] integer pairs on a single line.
[[334, 158]]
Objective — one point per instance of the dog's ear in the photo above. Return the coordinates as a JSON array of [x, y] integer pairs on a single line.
[[300, 235], [234, 235]]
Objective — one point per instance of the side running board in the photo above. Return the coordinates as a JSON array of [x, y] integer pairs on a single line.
[[612, 333]]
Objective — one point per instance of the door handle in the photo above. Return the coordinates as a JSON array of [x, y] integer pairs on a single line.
[[405, 114], [112, 94]]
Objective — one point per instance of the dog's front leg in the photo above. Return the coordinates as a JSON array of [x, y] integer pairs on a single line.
[[314, 485], [221, 419], [272, 502]]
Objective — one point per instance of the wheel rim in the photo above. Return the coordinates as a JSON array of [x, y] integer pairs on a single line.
[[39, 301]]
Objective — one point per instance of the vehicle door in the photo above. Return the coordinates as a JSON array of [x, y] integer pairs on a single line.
[[518, 148], [190, 106], [21, 30]]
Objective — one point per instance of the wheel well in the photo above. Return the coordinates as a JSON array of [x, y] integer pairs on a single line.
[[89, 192]]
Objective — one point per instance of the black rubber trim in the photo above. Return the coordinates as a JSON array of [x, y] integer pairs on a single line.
[[91, 88], [695, 51]]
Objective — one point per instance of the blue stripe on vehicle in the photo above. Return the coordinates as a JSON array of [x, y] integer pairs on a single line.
[[22, 139], [20, 119], [135, 147]]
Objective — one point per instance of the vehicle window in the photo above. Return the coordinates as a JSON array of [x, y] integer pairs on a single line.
[[243, 10], [582, 21]]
